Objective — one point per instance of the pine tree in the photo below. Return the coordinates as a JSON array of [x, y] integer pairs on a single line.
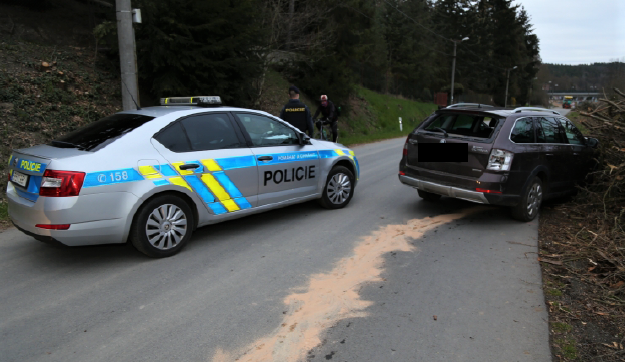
[[199, 48]]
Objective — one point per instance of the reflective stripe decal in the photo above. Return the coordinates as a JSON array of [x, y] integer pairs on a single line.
[[167, 170], [230, 205], [34, 184], [200, 188], [180, 182], [211, 165], [103, 178], [288, 157], [161, 182], [215, 187], [209, 181], [242, 202], [228, 185], [340, 152], [236, 162], [149, 172], [327, 154], [27, 195], [217, 208]]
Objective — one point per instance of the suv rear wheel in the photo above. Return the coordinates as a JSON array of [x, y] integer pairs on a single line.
[[162, 227], [428, 196], [529, 205]]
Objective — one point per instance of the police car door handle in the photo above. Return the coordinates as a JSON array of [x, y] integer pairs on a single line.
[[265, 158], [189, 166]]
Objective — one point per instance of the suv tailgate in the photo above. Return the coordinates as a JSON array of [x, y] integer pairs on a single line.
[[478, 131]]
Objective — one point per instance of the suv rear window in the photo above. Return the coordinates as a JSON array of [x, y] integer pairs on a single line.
[[99, 134], [468, 125]]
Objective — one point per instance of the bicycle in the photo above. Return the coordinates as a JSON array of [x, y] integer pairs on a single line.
[[323, 132]]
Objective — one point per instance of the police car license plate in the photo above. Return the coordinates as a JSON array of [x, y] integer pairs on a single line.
[[19, 178]]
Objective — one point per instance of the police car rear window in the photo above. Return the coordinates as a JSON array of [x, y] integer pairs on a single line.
[[99, 134]]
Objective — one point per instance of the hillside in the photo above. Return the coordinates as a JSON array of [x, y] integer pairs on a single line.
[[368, 116]]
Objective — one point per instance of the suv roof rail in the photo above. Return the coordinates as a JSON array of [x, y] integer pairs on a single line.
[[536, 109], [479, 105]]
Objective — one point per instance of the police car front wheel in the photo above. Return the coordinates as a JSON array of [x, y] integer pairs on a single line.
[[162, 227], [338, 189]]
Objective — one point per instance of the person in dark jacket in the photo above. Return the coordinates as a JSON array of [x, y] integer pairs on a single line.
[[297, 113], [327, 108]]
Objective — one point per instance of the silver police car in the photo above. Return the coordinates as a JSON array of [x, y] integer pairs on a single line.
[[152, 176]]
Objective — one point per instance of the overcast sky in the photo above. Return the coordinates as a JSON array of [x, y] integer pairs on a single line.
[[578, 31]]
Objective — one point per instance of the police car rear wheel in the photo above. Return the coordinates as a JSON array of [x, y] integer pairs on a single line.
[[339, 188], [162, 227]]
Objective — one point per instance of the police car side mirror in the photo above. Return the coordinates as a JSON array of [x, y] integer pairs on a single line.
[[304, 139]]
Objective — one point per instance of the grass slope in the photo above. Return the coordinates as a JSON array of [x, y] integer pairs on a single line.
[[367, 116], [374, 116]]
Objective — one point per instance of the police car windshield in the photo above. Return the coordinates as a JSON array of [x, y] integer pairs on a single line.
[[99, 134]]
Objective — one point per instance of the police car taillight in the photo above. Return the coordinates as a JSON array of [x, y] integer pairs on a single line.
[[192, 101], [61, 183]]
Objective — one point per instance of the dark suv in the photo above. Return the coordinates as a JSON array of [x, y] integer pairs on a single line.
[[515, 158]]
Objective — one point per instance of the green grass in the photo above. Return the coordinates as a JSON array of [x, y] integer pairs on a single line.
[[554, 292], [560, 327], [568, 348], [375, 116]]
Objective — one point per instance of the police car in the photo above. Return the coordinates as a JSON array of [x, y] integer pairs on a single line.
[[154, 175]]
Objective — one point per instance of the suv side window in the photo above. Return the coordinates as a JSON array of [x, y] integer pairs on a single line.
[[522, 131], [574, 136], [210, 132], [551, 131], [267, 132], [174, 138]]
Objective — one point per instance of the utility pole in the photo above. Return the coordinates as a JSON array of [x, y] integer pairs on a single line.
[[453, 66], [506, 92], [289, 25], [128, 61]]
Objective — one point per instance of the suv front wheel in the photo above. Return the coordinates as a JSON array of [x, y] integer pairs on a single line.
[[529, 205]]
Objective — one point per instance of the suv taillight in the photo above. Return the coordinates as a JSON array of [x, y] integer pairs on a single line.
[[500, 160], [61, 183]]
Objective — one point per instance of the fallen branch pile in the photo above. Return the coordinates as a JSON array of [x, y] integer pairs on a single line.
[[600, 204]]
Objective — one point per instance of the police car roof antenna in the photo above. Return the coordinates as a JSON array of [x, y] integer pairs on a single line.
[[131, 96]]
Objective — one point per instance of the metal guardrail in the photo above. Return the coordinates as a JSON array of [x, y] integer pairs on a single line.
[[535, 109]]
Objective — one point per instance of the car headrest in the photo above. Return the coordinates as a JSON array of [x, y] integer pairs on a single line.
[[493, 122]]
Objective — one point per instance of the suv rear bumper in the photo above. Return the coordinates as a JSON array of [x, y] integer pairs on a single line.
[[459, 193]]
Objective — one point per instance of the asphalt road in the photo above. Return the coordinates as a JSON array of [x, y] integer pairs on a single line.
[[389, 278]]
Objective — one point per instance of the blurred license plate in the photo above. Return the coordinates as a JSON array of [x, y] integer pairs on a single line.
[[19, 178]]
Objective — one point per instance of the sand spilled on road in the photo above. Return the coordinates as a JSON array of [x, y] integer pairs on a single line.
[[333, 296]]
